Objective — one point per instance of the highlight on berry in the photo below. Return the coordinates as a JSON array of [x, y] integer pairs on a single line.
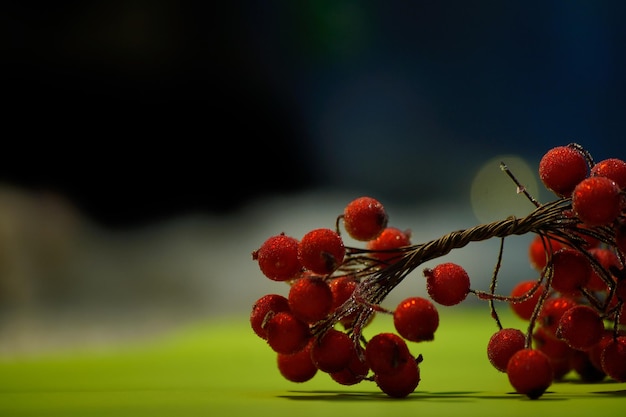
[[574, 309]]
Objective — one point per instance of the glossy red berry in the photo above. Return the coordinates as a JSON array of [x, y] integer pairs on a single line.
[[390, 238], [332, 351], [614, 359], [364, 218], [447, 283], [278, 258], [502, 345], [597, 201], [527, 301], [286, 334], [263, 309], [571, 270], [321, 251], [416, 319], [530, 372], [310, 298], [580, 327], [386, 353], [613, 168], [401, 383], [562, 168], [297, 367]]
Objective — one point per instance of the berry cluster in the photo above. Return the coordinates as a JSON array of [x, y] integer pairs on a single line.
[[574, 308]]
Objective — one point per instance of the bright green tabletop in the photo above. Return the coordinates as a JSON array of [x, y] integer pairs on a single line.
[[220, 368]]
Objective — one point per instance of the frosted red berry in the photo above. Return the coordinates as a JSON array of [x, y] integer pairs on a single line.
[[332, 351], [551, 312], [530, 372], [447, 283], [416, 319], [355, 372], [502, 345], [365, 218], [562, 168], [297, 367], [580, 327], [571, 270], [614, 359], [597, 201], [390, 238], [263, 309], [386, 353], [321, 251], [613, 168], [278, 258], [310, 298], [401, 383], [540, 248], [287, 334]]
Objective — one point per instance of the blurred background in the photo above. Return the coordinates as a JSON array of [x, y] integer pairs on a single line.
[[150, 146]]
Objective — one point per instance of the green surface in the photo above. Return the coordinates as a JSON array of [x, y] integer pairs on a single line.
[[222, 368]]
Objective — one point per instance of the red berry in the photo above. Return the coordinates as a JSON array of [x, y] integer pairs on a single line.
[[562, 168], [556, 350], [386, 353], [571, 270], [581, 363], [597, 201], [502, 345], [287, 334], [614, 359], [530, 372], [321, 251], [310, 298], [612, 168], [364, 218], [607, 259], [447, 283], [342, 288], [278, 258], [389, 239], [401, 383], [416, 319], [297, 367], [525, 307], [580, 327], [332, 351], [263, 309]]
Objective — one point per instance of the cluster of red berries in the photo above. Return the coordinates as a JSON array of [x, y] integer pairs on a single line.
[[574, 309]]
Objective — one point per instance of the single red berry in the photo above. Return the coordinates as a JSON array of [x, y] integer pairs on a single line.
[[540, 248], [416, 319], [310, 298], [527, 301], [332, 351], [614, 359], [595, 353], [297, 367], [562, 168], [342, 288], [571, 270], [264, 308], [386, 353], [597, 201], [551, 312], [580, 327], [401, 383], [287, 334], [389, 239], [502, 345], [321, 251], [365, 218], [530, 372], [447, 283], [278, 258], [613, 168]]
